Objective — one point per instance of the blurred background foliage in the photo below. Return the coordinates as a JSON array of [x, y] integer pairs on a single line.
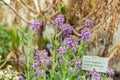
[[5, 42]]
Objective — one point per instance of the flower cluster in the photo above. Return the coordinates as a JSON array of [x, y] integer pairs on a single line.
[[59, 20], [65, 28], [89, 23], [41, 61], [9, 74], [21, 78], [71, 44], [36, 25], [86, 33], [97, 76], [62, 63], [49, 46], [77, 62], [110, 72], [62, 50]]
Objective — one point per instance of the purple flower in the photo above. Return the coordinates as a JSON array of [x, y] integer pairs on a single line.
[[59, 20], [109, 79], [79, 64], [73, 71], [85, 35], [110, 72], [89, 73], [36, 25], [21, 59], [40, 73], [64, 27], [89, 23], [62, 50], [69, 30], [61, 61], [66, 30], [48, 63], [44, 60], [44, 52], [49, 46], [74, 43], [21, 77], [71, 44], [97, 76], [41, 57], [35, 65], [73, 60], [40, 54], [67, 40], [75, 49]]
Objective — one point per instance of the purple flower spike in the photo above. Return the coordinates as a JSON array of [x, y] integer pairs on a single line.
[[89, 73], [21, 77], [66, 30], [59, 20], [62, 50], [97, 76], [36, 25], [49, 46], [71, 44], [73, 60], [69, 30], [89, 23], [75, 49], [73, 72], [41, 57], [34, 66], [85, 35], [64, 26], [74, 43], [67, 40], [40, 73], [79, 64], [61, 61], [110, 72]]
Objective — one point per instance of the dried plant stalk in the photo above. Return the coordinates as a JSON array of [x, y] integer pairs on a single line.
[[115, 55]]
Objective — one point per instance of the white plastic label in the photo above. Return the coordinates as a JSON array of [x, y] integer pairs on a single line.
[[100, 64]]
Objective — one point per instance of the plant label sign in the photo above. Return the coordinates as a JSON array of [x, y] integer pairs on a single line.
[[100, 64]]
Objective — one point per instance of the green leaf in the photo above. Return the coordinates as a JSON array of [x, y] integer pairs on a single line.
[[81, 73], [58, 34], [14, 37], [56, 44], [81, 50], [63, 9]]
